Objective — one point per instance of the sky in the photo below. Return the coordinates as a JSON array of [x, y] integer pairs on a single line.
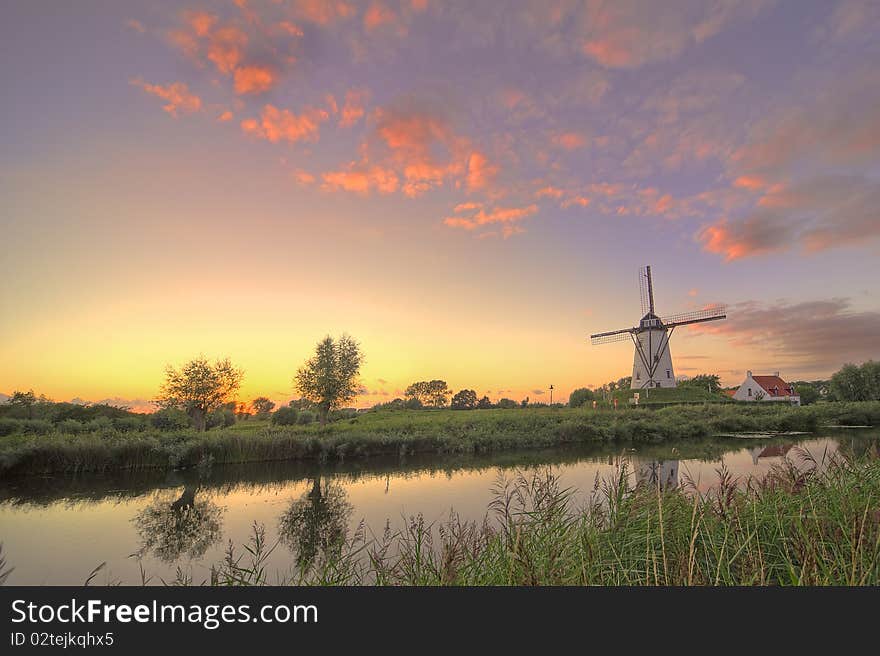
[[468, 189]]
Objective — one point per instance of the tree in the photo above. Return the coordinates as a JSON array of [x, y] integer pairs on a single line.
[[185, 526], [625, 382], [484, 403], [506, 404], [464, 400], [524, 403], [432, 393], [580, 396], [199, 387], [330, 377], [316, 525], [857, 383], [25, 401], [709, 382], [808, 393], [262, 406]]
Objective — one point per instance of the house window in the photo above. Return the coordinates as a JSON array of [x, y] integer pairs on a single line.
[[750, 391], [668, 374], [638, 375]]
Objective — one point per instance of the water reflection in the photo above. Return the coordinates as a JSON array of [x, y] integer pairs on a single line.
[[186, 526], [316, 523], [55, 530]]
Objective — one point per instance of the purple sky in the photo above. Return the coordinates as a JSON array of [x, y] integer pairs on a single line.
[[468, 188]]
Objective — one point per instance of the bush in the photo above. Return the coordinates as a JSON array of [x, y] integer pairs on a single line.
[[129, 424], [580, 396], [285, 416], [71, 426], [170, 419], [9, 426], [36, 426], [412, 403], [221, 417], [100, 424], [305, 417]]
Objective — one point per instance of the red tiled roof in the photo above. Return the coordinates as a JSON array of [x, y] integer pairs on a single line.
[[730, 392], [774, 385]]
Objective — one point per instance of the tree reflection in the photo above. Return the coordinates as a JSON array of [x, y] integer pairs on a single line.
[[182, 527], [317, 523]]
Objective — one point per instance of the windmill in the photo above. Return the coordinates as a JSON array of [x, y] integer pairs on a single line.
[[652, 362]]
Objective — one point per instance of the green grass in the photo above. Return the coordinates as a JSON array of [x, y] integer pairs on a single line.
[[408, 432], [813, 525]]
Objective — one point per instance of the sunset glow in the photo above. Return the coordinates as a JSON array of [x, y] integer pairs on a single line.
[[468, 189]]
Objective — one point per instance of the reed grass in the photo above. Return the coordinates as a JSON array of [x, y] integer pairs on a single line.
[[815, 523]]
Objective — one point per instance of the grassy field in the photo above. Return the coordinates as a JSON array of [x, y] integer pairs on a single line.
[[407, 432], [818, 525]]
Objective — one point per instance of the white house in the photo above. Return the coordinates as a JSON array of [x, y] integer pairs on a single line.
[[766, 388]]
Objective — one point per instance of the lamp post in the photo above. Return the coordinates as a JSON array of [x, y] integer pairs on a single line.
[[551, 395]]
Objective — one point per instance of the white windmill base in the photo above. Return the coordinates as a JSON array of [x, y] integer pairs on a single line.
[[652, 351]]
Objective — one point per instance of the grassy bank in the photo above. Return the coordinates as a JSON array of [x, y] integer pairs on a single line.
[[407, 432], [818, 525]]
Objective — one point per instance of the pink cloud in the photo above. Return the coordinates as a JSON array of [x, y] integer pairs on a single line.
[[251, 80], [361, 179], [283, 125], [178, 97], [353, 109], [570, 140], [479, 171], [323, 12]]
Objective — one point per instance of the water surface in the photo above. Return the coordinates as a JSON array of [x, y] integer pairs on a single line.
[[56, 530]]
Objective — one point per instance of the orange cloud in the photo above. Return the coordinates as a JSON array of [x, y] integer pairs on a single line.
[[353, 109], [135, 25], [323, 12], [303, 177], [200, 22], [283, 125], [570, 140], [580, 201], [751, 182], [503, 215], [378, 15], [177, 96], [549, 192], [290, 28], [225, 116], [464, 207], [361, 179], [253, 80], [480, 171], [735, 242], [227, 48], [423, 146]]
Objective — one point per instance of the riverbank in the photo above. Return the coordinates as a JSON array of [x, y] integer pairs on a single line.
[[814, 526], [408, 432]]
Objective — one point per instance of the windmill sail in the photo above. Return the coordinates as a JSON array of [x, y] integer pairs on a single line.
[[643, 290], [607, 338], [697, 316]]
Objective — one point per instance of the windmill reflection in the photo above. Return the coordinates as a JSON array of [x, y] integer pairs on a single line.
[[316, 524], [184, 527], [649, 472]]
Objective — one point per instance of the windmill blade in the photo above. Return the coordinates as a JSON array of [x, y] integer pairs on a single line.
[[643, 289], [698, 316], [607, 338]]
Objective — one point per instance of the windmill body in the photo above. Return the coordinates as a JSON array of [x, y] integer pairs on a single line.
[[652, 360], [652, 349]]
